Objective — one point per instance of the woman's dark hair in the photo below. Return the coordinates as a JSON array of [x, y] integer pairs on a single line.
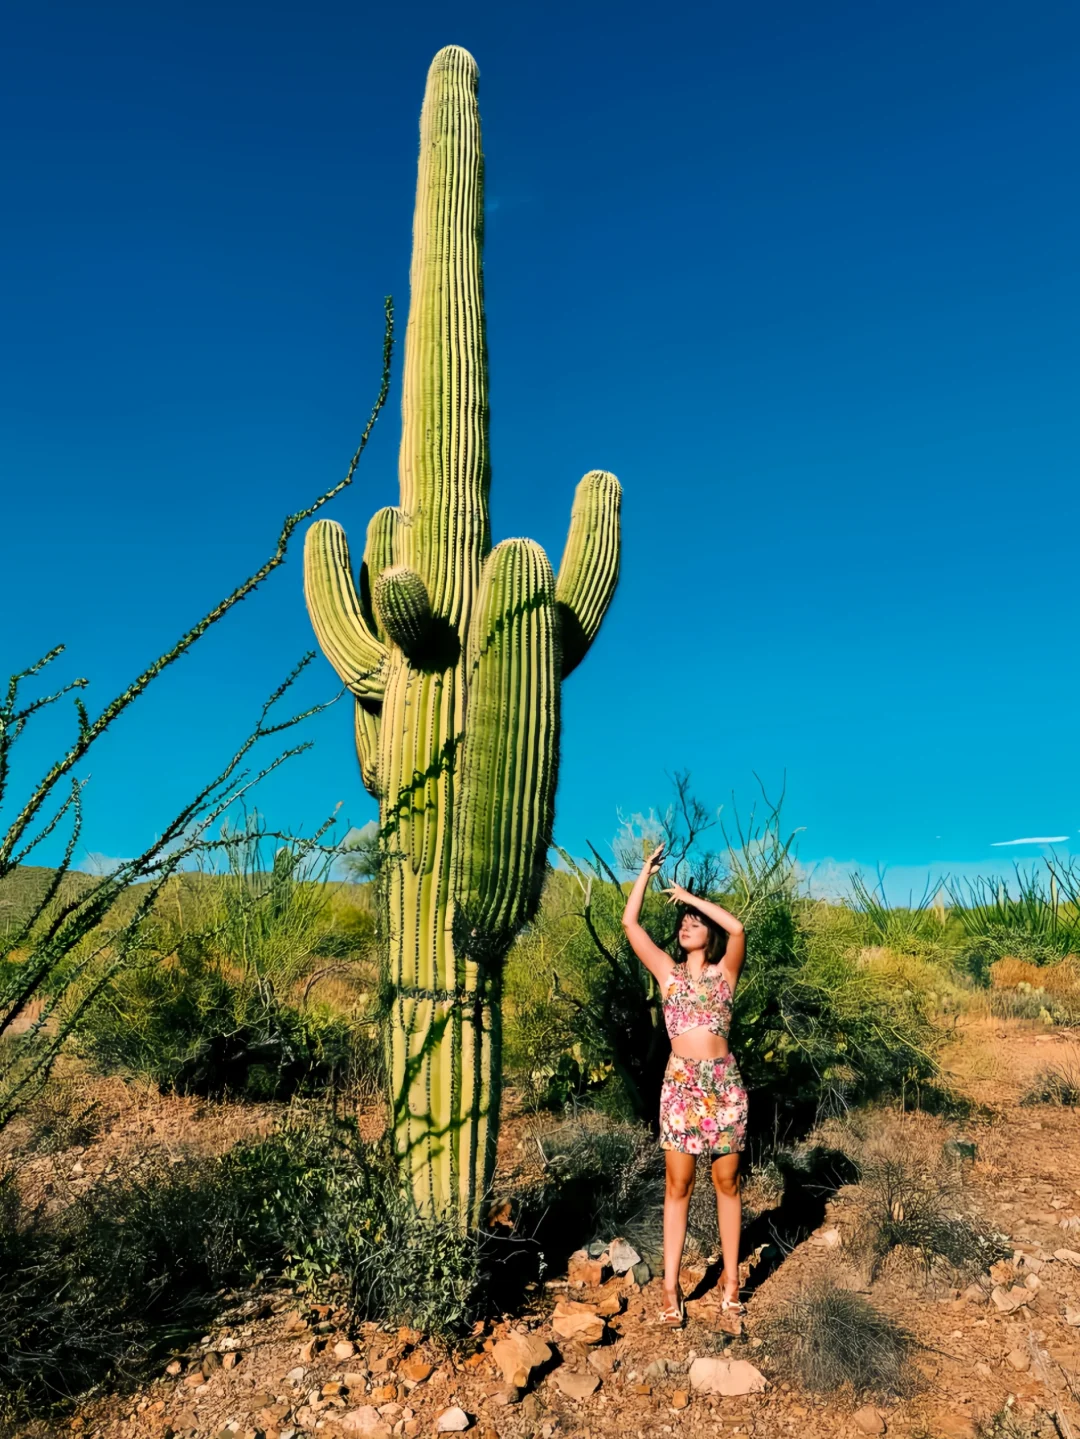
[[717, 945]]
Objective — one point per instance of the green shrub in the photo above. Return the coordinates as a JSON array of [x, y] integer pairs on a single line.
[[136, 1267], [825, 1337], [195, 1029], [1056, 1084], [911, 1190]]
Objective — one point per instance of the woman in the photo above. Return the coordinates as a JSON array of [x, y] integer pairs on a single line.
[[702, 1101]]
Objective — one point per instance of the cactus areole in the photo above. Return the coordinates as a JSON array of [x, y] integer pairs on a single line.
[[455, 652]]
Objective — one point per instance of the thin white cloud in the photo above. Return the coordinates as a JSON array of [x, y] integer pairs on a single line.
[[1034, 839]]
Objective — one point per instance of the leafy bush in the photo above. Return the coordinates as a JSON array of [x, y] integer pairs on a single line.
[[192, 1028], [137, 1266], [825, 1337]]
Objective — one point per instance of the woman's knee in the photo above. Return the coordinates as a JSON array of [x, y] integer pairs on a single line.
[[726, 1180], [679, 1186]]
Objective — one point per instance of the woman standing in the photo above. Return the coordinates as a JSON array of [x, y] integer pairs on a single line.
[[702, 1101]]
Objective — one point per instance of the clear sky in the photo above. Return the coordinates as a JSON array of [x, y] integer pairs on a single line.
[[804, 276]]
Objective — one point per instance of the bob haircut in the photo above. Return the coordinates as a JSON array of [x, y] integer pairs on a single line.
[[717, 943]]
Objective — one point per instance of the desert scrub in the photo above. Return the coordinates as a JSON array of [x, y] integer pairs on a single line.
[[911, 1196], [825, 1337], [98, 1286], [1056, 1084]]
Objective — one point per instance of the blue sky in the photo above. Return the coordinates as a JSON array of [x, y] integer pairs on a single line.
[[804, 277]]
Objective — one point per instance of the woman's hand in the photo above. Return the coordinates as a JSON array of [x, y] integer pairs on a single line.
[[677, 895], [653, 862]]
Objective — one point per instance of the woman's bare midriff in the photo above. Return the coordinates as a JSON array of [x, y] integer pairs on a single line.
[[699, 1043]]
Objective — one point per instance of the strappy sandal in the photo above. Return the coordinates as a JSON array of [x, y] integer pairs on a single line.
[[735, 1306], [672, 1316]]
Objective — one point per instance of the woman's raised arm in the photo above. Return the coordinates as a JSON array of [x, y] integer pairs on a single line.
[[656, 960]]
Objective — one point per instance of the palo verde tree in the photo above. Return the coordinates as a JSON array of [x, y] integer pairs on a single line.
[[455, 652]]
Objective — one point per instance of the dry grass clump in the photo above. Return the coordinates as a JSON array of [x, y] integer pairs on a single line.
[[911, 1192], [1056, 1084], [1062, 980], [825, 1337]]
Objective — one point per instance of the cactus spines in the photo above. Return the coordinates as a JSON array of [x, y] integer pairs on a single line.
[[455, 653]]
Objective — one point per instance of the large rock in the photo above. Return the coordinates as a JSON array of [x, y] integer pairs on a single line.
[[367, 1421], [1068, 1256], [518, 1355], [573, 1320], [726, 1376], [576, 1383], [623, 1256]]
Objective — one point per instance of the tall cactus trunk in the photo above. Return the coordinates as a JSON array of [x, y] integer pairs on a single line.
[[455, 653]]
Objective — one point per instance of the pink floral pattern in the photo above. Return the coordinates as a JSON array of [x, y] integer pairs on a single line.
[[703, 1106], [703, 1003]]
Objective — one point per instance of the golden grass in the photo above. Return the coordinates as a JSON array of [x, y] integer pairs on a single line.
[[1061, 980]]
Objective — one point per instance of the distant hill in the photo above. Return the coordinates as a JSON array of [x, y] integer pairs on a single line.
[[23, 890]]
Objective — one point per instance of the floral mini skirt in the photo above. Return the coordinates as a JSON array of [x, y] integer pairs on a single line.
[[703, 1106]]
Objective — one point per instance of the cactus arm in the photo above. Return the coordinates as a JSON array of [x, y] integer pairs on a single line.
[[403, 608], [444, 440], [378, 556], [509, 757], [336, 614], [589, 570], [367, 747]]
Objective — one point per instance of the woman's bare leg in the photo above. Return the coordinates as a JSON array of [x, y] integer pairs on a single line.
[[725, 1175], [677, 1190]]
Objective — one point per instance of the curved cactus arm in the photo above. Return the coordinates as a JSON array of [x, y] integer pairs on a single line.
[[367, 747], [509, 757], [378, 556], [444, 407], [403, 608], [589, 570], [336, 614]]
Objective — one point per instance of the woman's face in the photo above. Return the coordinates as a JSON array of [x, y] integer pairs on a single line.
[[693, 932]]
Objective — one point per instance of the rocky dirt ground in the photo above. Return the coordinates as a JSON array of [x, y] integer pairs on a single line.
[[586, 1362]]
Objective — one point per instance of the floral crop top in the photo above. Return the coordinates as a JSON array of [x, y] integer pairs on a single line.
[[703, 1003]]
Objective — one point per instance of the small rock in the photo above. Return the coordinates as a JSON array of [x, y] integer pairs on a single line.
[[1003, 1272], [1032, 1282], [1072, 1315], [583, 1270], [1019, 1360], [975, 1294], [384, 1394], [295, 1323], [1068, 1256], [354, 1378], [961, 1148], [231, 1359], [725, 1376], [417, 1370], [572, 1320], [576, 1383], [623, 1256], [868, 1420], [1006, 1301], [602, 1361], [309, 1350], [173, 1368], [344, 1349], [366, 1420], [953, 1426], [296, 1376], [642, 1274], [452, 1421], [518, 1355], [828, 1239], [194, 1379], [657, 1369], [680, 1399]]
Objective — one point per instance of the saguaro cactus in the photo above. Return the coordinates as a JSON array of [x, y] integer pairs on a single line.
[[455, 652]]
